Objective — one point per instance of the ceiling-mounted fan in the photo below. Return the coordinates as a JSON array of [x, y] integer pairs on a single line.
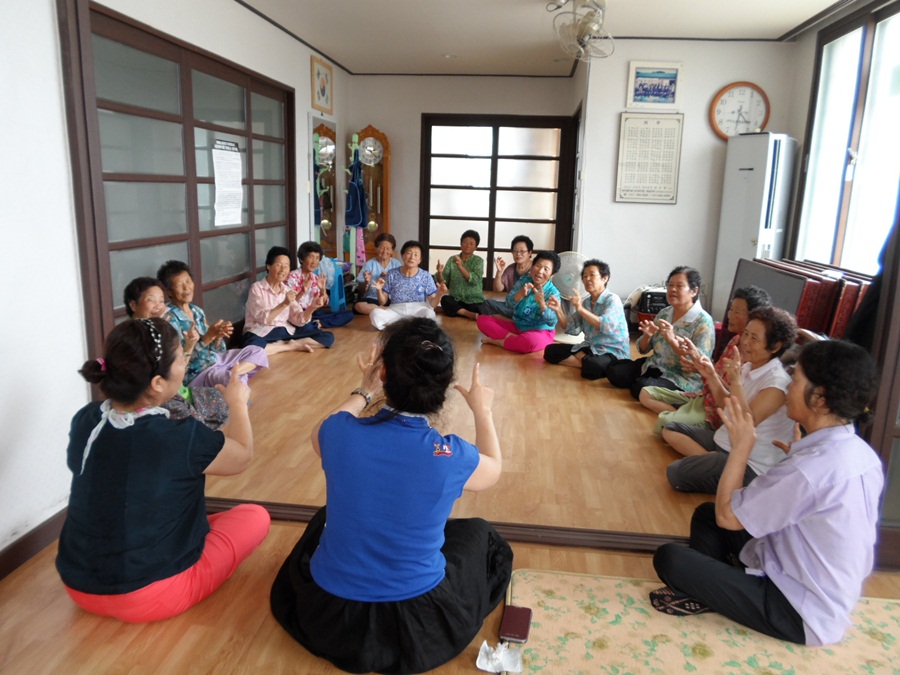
[[579, 28]]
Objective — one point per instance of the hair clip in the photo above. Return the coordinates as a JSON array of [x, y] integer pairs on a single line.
[[428, 345], [157, 339], [102, 365]]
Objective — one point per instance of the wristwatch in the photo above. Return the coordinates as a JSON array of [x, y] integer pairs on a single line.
[[362, 392]]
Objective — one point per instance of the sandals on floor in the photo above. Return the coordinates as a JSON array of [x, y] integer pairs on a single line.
[[669, 601]]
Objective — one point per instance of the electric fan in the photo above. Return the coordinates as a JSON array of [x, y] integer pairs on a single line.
[[580, 30], [568, 279]]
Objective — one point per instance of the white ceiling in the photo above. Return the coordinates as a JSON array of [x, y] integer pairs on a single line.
[[508, 37]]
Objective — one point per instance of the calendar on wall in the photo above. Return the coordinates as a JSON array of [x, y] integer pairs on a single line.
[[649, 156]]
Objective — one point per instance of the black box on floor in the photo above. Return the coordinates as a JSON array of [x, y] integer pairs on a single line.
[[652, 301]]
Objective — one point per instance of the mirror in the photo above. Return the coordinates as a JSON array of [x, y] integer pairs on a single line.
[[323, 151]]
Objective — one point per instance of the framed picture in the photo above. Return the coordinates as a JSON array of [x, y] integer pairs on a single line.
[[654, 86], [649, 158], [321, 77]]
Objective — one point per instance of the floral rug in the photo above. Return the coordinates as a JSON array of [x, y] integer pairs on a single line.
[[592, 624]]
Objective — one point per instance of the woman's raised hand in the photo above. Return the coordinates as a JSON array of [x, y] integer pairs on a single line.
[[786, 447], [739, 423], [367, 275], [439, 267], [191, 337], [705, 366], [648, 328], [478, 397], [732, 362], [379, 283], [371, 370], [290, 296], [667, 331], [575, 299], [500, 262], [237, 393], [553, 303]]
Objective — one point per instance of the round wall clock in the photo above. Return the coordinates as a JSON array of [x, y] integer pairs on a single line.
[[739, 108], [370, 151]]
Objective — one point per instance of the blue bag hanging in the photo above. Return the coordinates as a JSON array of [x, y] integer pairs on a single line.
[[357, 205]]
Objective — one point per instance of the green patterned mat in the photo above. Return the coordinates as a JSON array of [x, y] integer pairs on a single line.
[[592, 624]]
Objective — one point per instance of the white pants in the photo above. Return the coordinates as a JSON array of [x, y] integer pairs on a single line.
[[382, 316]]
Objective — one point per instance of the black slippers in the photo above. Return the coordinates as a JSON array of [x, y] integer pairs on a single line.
[[672, 602]]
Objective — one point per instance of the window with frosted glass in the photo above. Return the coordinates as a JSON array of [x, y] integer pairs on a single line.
[[268, 203], [528, 141], [446, 232], [205, 141], [542, 234], [131, 144], [142, 210], [268, 160], [224, 256], [267, 115], [471, 141], [461, 171], [530, 205], [206, 207], [217, 101], [127, 75], [140, 262], [266, 238], [527, 173], [472, 203], [226, 302]]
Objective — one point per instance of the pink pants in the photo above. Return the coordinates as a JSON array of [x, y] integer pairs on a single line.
[[523, 342], [233, 536]]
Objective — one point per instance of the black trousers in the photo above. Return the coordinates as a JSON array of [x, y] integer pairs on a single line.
[[451, 306], [593, 366], [626, 374], [709, 571]]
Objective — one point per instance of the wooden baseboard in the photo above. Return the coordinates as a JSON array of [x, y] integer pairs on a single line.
[[35, 541]]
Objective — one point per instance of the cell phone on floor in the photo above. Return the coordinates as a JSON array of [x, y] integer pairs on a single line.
[[515, 624]]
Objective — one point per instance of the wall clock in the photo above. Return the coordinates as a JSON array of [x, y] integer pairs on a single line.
[[738, 108]]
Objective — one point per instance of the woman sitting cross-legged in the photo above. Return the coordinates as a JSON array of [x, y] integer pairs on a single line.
[[408, 289], [375, 268], [684, 317], [534, 321], [464, 276], [673, 405], [602, 321], [507, 275], [759, 385], [381, 580], [273, 311], [312, 293], [137, 544], [788, 554], [209, 362]]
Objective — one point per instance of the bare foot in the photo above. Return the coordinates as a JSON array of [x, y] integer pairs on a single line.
[[300, 346], [491, 341], [468, 314]]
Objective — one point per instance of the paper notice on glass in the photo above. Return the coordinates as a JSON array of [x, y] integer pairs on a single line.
[[227, 173]]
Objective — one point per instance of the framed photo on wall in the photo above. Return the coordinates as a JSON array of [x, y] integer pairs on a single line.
[[321, 76], [654, 86]]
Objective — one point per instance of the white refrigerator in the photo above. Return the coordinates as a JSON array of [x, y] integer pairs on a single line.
[[756, 196]]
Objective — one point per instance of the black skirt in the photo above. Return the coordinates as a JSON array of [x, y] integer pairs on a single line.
[[407, 636]]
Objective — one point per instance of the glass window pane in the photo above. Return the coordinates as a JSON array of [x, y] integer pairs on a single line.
[[527, 173], [205, 140], [224, 256], [130, 144], [873, 201], [542, 234], [268, 203], [835, 106], [473, 203], [217, 101], [128, 75], [138, 210], [140, 262], [523, 141], [268, 160], [206, 202], [457, 171], [226, 302], [537, 205], [267, 115], [448, 232], [442, 254], [266, 238], [471, 141]]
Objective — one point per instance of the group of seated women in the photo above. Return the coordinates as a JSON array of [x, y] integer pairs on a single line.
[[382, 579]]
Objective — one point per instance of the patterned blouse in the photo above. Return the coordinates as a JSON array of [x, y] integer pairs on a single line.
[[696, 325], [469, 291], [612, 335], [376, 270], [203, 355], [527, 313], [409, 289]]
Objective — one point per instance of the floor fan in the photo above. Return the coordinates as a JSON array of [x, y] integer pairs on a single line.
[[568, 281]]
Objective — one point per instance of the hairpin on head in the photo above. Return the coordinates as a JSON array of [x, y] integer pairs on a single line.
[[428, 345], [157, 339]]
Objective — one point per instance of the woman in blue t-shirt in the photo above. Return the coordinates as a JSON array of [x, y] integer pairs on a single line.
[[137, 544], [392, 585]]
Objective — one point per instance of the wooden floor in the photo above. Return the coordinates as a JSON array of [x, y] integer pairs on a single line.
[[43, 632], [576, 453]]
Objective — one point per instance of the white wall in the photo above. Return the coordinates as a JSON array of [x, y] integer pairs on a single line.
[[43, 341], [643, 242]]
